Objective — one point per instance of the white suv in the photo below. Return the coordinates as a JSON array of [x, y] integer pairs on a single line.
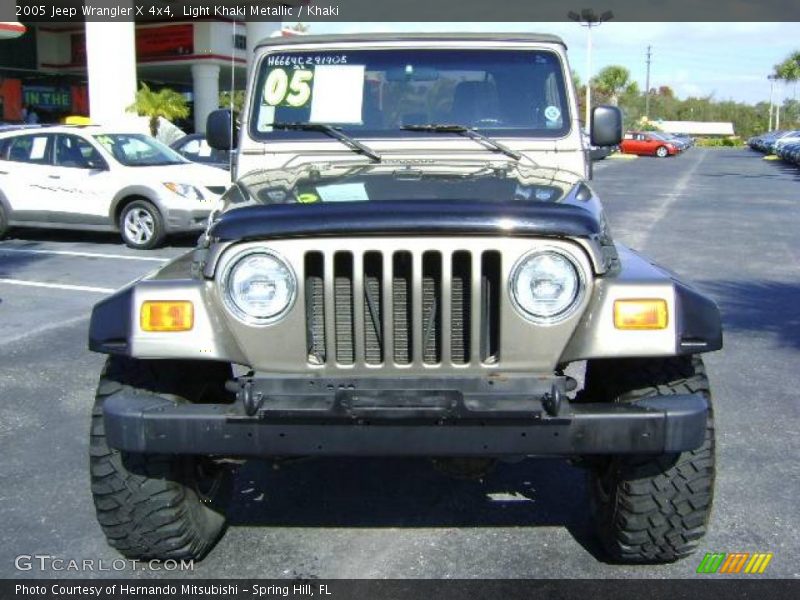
[[96, 179]]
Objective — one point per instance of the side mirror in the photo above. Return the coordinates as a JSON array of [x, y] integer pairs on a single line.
[[606, 126], [220, 130]]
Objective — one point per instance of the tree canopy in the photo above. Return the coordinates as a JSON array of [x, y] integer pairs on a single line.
[[613, 85], [614, 80], [166, 103]]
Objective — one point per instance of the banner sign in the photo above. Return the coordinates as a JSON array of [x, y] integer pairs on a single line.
[[47, 97], [152, 43]]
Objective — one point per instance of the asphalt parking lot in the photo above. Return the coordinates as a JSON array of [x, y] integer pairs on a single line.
[[723, 218]]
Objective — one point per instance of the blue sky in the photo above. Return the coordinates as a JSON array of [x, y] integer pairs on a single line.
[[730, 60]]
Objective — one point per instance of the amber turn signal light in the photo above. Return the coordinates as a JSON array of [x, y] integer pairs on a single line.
[[640, 314], [167, 315]]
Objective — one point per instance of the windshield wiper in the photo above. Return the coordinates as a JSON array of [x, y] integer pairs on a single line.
[[334, 132], [467, 131]]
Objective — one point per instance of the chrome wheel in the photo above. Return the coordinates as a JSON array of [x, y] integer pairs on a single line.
[[661, 152], [139, 226]]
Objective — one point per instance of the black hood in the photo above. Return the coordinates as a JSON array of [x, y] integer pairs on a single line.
[[406, 217]]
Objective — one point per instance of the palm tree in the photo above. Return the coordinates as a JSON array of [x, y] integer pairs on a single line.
[[166, 103], [614, 80], [789, 70], [236, 99]]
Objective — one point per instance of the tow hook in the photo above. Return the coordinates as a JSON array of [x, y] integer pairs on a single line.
[[251, 400], [552, 401]]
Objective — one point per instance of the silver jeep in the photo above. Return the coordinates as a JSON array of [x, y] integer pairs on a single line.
[[409, 260]]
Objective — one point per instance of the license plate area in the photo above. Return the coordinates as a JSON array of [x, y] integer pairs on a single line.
[[400, 403]]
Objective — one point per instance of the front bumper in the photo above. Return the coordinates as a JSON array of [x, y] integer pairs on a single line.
[[187, 220], [435, 417]]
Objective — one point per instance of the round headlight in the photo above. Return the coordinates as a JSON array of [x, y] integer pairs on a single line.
[[259, 287], [546, 286]]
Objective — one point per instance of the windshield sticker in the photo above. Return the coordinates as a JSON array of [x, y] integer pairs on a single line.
[[284, 88], [551, 113], [338, 94], [343, 192], [306, 61], [307, 198]]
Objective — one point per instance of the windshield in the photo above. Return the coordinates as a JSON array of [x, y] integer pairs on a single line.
[[137, 150], [378, 92]]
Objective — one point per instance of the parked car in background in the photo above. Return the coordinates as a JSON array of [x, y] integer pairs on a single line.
[[686, 138], [788, 151], [89, 178], [682, 143], [766, 141], [790, 137], [783, 144], [195, 148], [648, 143]]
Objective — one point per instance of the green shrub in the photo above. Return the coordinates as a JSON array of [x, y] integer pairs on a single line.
[[727, 142]]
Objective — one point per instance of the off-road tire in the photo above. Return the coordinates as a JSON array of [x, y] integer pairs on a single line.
[[159, 232], [155, 506], [662, 152], [651, 509]]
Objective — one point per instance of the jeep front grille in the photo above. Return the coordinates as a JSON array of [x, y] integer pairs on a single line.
[[407, 307]]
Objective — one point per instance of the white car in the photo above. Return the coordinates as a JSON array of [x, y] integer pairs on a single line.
[[97, 179]]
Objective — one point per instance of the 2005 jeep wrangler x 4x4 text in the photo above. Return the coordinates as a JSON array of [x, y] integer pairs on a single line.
[[409, 258]]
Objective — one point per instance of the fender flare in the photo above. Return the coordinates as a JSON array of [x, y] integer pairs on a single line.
[[699, 323], [139, 191], [109, 326]]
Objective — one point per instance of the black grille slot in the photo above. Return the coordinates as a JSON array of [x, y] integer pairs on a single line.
[[460, 307], [343, 301], [373, 308], [315, 308], [490, 306], [431, 307], [401, 307]]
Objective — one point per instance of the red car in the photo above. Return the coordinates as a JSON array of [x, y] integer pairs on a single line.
[[647, 142]]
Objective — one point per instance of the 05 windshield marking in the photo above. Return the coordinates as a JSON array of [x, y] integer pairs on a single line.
[[384, 93]]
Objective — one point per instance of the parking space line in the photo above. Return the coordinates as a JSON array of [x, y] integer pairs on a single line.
[[43, 329], [83, 254], [58, 286], [654, 215]]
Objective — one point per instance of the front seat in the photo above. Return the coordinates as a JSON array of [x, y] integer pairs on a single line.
[[474, 101], [69, 155]]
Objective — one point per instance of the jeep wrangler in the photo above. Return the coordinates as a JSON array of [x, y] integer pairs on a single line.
[[409, 259]]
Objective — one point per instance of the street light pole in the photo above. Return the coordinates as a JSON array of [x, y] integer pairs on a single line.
[[587, 18], [588, 75], [647, 86], [771, 90]]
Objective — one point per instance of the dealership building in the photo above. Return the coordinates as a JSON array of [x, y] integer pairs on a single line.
[[93, 68]]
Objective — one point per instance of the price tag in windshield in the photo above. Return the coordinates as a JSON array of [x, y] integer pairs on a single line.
[[288, 87]]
